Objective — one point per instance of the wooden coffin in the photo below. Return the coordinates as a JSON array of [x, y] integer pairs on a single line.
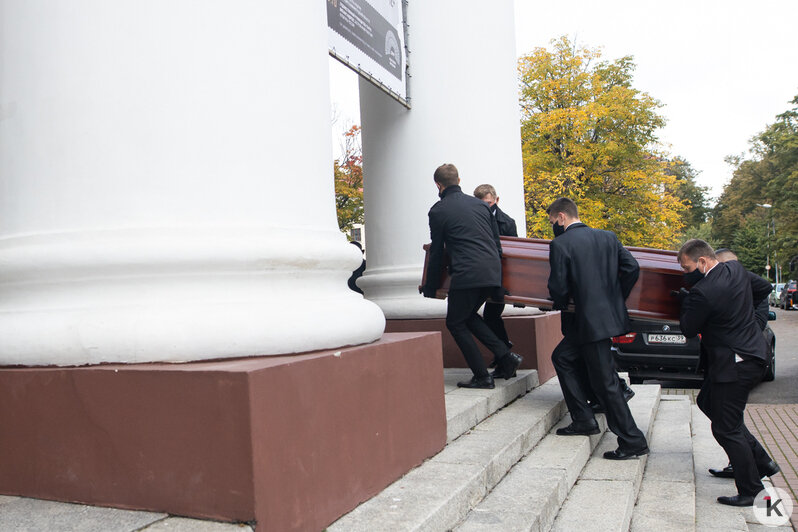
[[525, 274]]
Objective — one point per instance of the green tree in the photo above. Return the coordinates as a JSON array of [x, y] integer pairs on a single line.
[[703, 232], [589, 135], [780, 145], [751, 246], [348, 173], [768, 177], [740, 198], [693, 195]]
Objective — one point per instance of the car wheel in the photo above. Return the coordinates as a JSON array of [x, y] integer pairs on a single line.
[[770, 371]]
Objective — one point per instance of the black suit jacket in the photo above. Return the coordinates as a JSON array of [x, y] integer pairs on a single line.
[[592, 267], [465, 227], [721, 308], [506, 224]]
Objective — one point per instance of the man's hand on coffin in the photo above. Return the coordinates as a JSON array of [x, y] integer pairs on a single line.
[[681, 294], [547, 308], [428, 291]]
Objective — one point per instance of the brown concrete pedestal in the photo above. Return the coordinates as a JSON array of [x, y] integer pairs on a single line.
[[289, 442], [534, 337]]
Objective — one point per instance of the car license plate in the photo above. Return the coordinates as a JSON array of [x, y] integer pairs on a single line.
[[666, 339]]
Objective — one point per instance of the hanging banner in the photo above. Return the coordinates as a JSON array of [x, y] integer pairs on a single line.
[[368, 37]]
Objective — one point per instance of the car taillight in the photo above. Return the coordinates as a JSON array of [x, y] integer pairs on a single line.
[[625, 339]]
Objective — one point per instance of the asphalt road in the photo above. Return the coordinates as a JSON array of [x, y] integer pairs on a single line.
[[784, 389]]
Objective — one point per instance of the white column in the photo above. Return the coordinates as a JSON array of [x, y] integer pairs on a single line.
[[465, 112], [166, 188]]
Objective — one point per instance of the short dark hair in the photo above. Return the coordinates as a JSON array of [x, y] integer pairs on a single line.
[[446, 175], [483, 190], [565, 206], [725, 254], [694, 249]]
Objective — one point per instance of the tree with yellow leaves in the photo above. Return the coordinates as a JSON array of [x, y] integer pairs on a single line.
[[348, 174], [588, 135]]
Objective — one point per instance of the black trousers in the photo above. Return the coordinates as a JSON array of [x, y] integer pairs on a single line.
[[493, 317], [724, 404], [593, 363], [463, 321]]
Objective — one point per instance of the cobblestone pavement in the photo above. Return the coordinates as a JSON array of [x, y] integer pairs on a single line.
[[776, 427]]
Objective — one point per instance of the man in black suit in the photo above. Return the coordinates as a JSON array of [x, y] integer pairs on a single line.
[[466, 229], [592, 268], [761, 317], [761, 308], [492, 314], [720, 307]]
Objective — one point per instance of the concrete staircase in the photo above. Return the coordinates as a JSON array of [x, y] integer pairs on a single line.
[[505, 469], [510, 471]]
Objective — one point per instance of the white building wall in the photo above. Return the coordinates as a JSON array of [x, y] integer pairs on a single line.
[[464, 96]]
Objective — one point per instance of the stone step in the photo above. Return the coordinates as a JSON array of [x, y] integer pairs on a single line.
[[605, 492], [666, 500], [529, 497], [710, 515], [466, 408], [531, 494], [439, 494]]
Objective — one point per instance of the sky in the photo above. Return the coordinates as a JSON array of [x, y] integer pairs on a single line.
[[723, 70]]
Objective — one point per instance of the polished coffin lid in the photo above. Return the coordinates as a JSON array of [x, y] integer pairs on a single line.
[[525, 274]]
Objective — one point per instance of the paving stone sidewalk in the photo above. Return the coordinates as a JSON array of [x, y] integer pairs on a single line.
[[776, 427]]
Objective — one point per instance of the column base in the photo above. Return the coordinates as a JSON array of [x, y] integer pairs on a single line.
[[287, 442], [533, 337]]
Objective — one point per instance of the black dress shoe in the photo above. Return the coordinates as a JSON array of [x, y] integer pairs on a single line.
[[769, 469], [507, 365], [726, 472], [494, 361], [621, 454], [628, 393], [478, 382], [579, 429], [737, 500]]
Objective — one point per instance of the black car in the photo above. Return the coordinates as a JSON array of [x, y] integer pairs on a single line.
[[788, 298], [655, 350]]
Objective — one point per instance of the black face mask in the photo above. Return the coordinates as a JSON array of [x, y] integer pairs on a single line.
[[558, 229], [691, 278]]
